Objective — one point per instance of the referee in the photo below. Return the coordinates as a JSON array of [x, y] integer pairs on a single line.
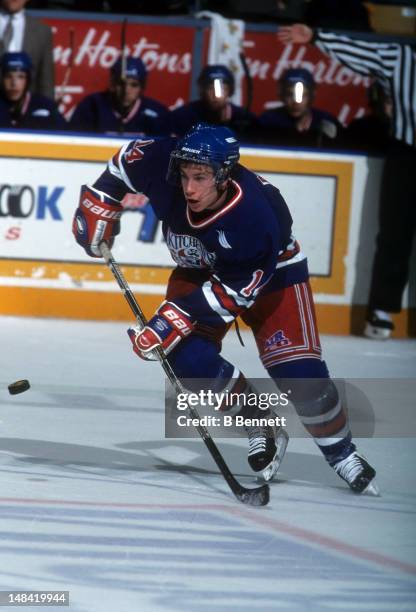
[[393, 65]]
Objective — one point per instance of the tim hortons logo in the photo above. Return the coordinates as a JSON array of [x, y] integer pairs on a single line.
[[97, 48], [327, 71]]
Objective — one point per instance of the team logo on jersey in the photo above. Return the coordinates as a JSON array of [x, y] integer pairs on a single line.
[[223, 240], [188, 251], [136, 153], [277, 340]]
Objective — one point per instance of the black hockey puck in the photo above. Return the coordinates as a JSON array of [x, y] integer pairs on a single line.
[[18, 387]]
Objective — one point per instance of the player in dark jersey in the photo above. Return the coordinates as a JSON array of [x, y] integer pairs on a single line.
[[230, 234], [216, 86], [19, 107], [298, 122], [122, 108]]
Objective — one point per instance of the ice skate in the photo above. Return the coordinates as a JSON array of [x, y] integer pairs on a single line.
[[267, 446], [378, 325], [358, 473]]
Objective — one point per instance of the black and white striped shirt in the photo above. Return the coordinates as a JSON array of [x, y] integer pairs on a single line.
[[392, 63]]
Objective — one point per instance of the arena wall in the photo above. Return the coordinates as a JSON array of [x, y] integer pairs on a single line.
[[332, 196]]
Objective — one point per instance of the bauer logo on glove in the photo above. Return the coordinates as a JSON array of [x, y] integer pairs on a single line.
[[97, 218], [100, 211], [166, 328]]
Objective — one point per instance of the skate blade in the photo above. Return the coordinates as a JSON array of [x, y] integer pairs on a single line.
[[270, 471], [372, 489], [375, 333]]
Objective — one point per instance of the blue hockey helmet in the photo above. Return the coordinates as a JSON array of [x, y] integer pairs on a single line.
[[216, 71], [16, 62], [295, 82], [212, 145], [134, 69], [297, 75]]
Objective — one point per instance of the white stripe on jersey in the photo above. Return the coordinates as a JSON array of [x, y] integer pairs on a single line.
[[212, 300], [118, 170], [240, 300], [298, 257]]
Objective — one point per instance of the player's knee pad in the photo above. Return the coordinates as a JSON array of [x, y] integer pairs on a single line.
[[308, 386], [198, 357], [198, 364]]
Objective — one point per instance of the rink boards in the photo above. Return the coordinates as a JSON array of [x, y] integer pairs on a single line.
[[43, 272]]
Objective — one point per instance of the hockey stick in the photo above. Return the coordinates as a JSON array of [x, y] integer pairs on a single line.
[[123, 34], [258, 496], [68, 71], [249, 82], [123, 78]]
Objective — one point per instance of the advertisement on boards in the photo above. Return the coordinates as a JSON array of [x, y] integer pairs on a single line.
[[85, 50], [36, 214]]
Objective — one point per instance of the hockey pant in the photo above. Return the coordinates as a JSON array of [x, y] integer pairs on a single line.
[[283, 323]]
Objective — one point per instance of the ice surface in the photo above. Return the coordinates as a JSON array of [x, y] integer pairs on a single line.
[[96, 501]]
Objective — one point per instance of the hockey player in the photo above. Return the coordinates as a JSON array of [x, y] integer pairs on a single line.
[[122, 108], [216, 86], [298, 122], [230, 233], [19, 107]]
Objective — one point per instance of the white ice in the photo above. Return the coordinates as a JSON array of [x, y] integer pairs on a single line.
[[95, 501]]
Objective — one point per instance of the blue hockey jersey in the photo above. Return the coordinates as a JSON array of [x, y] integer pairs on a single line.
[[36, 112], [95, 113], [246, 246], [241, 121], [277, 126]]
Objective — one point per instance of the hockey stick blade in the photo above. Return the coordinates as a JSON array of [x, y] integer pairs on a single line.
[[254, 497], [258, 496]]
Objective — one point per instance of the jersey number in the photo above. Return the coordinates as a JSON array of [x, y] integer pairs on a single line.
[[249, 290]]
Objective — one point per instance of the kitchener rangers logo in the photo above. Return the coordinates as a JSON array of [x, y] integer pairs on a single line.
[[136, 152], [188, 251]]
